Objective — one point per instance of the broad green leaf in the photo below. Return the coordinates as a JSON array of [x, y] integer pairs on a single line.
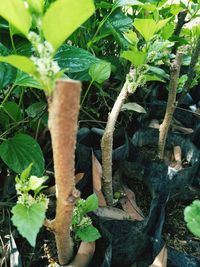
[[100, 72], [19, 151], [13, 111], [74, 59], [21, 62], [131, 37], [35, 109], [192, 217], [149, 78], [120, 3], [91, 203], [158, 72], [168, 30], [36, 5], [26, 173], [25, 80], [7, 72], [35, 182], [15, 12], [137, 58], [63, 17], [133, 107], [7, 75], [117, 22], [88, 234], [29, 220], [148, 27]]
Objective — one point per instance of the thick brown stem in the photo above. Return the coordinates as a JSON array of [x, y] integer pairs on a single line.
[[107, 144], [63, 116], [171, 104]]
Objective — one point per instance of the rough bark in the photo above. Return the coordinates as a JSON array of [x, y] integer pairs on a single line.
[[107, 145], [171, 104], [63, 116]]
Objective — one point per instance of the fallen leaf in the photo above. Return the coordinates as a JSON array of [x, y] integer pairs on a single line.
[[161, 259]]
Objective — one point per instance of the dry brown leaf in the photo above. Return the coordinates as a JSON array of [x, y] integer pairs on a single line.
[[96, 176], [112, 213], [161, 259], [129, 205]]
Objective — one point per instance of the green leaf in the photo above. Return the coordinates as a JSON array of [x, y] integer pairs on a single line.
[[7, 75], [25, 80], [131, 37], [167, 31], [133, 107], [148, 27], [158, 72], [35, 109], [15, 13], [137, 58], [29, 220], [13, 111], [63, 17], [192, 217], [74, 59], [149, 78], [7, 72], [21, 62], [35, 182], [120, 3], [91, 203], [17, 152], [26, 173], [100, 72], [36, 5], [88, 234]]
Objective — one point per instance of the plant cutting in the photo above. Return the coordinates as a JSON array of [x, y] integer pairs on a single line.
[[52, 28]]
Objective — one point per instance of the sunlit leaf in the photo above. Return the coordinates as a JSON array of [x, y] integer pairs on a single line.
[[63, 17], [15, 12], [100, 72]]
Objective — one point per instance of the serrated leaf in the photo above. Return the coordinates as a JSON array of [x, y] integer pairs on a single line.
[[148, 27], [74, 59], [35, 182], [131, 37], [91, 203], [88, 234], [25, 80], [17, 153], [137, 58], [29, 220], [15, 13], [63, 17], [21, 62], [192, 217], [133, 107], [100, 72]]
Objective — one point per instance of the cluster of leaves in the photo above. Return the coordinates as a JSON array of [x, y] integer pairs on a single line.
[[29, 212], [81, 222], [192, 217]]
